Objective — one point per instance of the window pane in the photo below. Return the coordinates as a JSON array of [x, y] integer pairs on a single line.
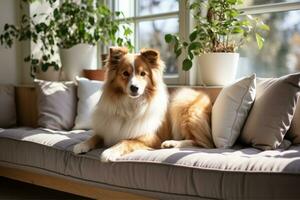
[[151, 35], [260, 2], [127, 7], [148, 7], [281, 52]]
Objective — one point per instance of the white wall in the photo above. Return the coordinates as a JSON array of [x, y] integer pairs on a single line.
[[9, 58]]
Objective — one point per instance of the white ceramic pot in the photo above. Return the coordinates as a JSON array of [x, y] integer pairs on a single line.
[[77, 58], [50, 75], [217, 69]]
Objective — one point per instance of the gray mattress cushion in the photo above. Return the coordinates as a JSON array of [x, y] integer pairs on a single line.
[[167, 173]]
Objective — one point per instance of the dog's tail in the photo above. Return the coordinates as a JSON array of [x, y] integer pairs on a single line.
[[190, 113]]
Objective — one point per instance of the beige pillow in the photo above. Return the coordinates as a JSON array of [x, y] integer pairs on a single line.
[[272, 112], [7, 106], [56, 104], [230, 111], [294, 132]]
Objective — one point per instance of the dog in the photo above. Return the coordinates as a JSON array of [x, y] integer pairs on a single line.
[[135, 112]]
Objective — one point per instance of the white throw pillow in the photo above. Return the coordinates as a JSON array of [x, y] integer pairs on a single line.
[[230, 111], [89, 93]]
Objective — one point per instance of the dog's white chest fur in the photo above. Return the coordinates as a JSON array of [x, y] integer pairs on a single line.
[[129, 118]]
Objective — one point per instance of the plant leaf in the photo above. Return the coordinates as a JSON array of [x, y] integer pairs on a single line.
[[187, 64], [178, 52], [56, 67], [27, 59], [6, 26], [168, 38], [232, 1], [34, 61], [127, 31], [193, 35], [194, 45], [191, 55], [185, 44], [259, 40], [264, 27], [45, 58], [237, 30], [45, 67]]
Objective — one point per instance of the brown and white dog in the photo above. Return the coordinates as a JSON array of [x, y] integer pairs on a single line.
[[134, 111]]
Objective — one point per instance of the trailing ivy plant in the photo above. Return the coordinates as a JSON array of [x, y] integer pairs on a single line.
[[220, 27], [88, 23], [69, 24]]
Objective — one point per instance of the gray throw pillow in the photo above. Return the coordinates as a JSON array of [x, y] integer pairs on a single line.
[[57, 103], [230, 111], [272, 112], [294, 132], [7, 106]]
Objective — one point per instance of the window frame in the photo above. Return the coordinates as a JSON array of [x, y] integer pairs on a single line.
[[183, 17], [270, 8], [185, 26]]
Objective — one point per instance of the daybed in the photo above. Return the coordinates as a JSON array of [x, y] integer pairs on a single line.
[[44, 157]]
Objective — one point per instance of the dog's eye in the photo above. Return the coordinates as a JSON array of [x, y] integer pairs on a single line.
[[143, 73], [126, 73]]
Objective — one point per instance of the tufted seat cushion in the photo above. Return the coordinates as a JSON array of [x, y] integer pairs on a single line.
[[240, 173]]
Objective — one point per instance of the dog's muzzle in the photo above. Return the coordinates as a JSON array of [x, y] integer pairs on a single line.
[[134, 91]]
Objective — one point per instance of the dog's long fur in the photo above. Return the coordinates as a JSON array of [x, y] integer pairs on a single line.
[[135, 112]]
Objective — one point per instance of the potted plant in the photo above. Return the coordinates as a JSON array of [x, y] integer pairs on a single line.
[[29, 29], [74, 28], [80, 26], [219, 31]]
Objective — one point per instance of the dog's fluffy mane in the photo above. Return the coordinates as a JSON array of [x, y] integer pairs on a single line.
[[131, 117]]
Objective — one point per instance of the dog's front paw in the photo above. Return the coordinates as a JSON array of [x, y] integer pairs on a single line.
[[81, 148], [170, 144], [110, 155]]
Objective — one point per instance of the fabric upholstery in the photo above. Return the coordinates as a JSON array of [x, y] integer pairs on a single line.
[[294, 132], [7, 106], [192, 173], [56, 104], [230, 111], [272, 112]]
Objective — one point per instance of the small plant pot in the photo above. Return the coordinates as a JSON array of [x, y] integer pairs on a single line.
[[94, 74], [77, 58], [217, 69]]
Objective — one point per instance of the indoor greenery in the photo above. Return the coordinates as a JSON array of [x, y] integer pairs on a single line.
[[69, 24], [220, 27]]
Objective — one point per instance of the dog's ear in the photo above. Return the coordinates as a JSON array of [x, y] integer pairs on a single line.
[[116, 53], [151, 55]]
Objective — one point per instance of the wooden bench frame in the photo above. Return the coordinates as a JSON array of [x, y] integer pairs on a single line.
[[66, 185]]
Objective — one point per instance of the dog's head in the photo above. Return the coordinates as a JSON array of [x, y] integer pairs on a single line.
[[134, 74]]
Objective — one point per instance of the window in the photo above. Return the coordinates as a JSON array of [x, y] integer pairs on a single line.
[[281, 52], [262, 2], [151, 20]]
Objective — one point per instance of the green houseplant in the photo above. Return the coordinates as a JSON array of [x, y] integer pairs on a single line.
[[220, 29], [68, 25], [80, 27]]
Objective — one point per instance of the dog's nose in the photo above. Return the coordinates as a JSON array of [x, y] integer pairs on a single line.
[[133, 88]]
